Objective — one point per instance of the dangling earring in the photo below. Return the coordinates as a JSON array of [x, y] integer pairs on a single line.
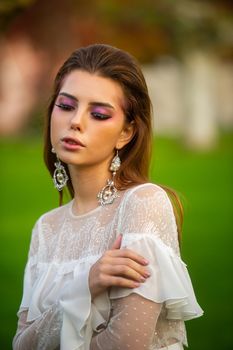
[[109, 192], [60, 177]]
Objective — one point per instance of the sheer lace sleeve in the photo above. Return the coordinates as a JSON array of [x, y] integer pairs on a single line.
[[132, 325], [148, 226], [154, 312], [42, 332]]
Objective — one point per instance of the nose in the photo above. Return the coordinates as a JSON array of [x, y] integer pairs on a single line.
[[77, 120]]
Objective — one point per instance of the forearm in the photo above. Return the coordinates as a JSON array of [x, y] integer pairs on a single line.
[[42, 333], [132, 325]]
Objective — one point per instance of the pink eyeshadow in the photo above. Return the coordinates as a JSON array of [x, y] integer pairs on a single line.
[[101, 110], [66, 100]]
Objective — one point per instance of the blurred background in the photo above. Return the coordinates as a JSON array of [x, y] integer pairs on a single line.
[[185, 48]]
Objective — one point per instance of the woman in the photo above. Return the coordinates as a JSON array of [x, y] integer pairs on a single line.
[[104, 271]]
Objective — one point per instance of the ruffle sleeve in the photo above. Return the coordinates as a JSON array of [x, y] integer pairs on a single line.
[[169, 282], [149, 228]]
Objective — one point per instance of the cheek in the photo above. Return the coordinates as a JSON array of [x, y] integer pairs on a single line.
[[107, 134], [55, 124], [52, 124], [111, 128], [56, 120]]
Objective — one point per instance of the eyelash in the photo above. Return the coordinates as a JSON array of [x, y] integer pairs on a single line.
[[68, 108], [64, 107], [100, 116]]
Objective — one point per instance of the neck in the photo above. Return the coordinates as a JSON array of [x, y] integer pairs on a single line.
[[87, 182]]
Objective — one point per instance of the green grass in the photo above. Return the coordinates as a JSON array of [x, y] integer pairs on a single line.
[[205, 181]]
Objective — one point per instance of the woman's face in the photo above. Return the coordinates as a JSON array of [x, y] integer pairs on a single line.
[[88, 122]]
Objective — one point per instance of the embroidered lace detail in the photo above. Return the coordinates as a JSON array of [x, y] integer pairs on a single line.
[[154, 216], [42, 334], [90, 234], [49, 328]]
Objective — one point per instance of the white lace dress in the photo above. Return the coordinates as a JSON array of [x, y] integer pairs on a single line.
[[56, 311]]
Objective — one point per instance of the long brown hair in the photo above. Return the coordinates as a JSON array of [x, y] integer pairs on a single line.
[[121, 67]]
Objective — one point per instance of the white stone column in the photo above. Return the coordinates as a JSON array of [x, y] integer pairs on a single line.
[[200, 107]]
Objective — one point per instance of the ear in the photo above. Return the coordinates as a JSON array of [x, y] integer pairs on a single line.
[[126, 135]]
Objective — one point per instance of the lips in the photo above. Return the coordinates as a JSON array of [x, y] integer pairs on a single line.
[[73, 142]]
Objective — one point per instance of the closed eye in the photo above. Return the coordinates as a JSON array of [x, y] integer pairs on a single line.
[[65, 107], [100, 116]]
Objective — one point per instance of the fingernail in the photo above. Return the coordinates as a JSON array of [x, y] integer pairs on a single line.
[[147, 274], [136, 284], [145, 262], [142, 279]]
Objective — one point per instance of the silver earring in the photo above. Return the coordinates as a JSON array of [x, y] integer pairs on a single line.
[[60, 177], [109, 193]]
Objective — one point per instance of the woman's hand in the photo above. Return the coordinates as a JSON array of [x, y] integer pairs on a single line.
[[117, 267]]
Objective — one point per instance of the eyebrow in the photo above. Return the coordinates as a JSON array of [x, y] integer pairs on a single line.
[[94, 103], [68, 95]]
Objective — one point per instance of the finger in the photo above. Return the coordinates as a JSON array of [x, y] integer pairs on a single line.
[[131, 270], [116, 281], [138, 268], [128, 253], [127, 272], [117, 243]]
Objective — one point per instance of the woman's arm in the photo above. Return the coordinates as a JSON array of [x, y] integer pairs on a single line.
[[132, 325], [42, 333], [149, 229], [133, 318]]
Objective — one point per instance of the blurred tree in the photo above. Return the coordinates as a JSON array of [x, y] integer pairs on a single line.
[[10, 8], [50, 30], [146, 28]]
